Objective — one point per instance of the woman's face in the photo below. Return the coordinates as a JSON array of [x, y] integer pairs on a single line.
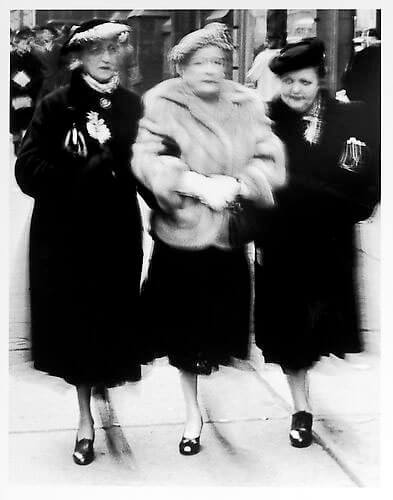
[[100, 59], [23, 45], [300, 88], [204, 71], [45, 39]]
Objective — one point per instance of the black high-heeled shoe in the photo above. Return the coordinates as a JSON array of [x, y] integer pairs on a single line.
[[300, 435], [190, 446], [84, 451]]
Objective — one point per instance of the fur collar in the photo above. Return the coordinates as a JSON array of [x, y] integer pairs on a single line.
[[239, 105]]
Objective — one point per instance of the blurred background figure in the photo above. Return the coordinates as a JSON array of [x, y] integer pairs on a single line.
[[362, 77], [12, 41], [44, 39], [127, 64], [368, 37], [260, 75], [306, 302], [361, 81], [25, 83], [47, 46]]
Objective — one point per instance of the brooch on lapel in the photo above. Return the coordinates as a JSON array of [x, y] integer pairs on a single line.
[[105, 103], [97, 128]]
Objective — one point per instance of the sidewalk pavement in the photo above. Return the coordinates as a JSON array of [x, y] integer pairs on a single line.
[[244, 440]]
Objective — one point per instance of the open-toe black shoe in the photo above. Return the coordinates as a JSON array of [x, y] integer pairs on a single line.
[[190, 446], [83, 452], [300, 435]]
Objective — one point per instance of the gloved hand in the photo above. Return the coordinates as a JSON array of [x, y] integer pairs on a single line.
[[216, 191], [191, 184], [220, 190]]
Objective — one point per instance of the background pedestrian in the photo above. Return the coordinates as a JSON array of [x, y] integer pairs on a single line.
[[25, 83]]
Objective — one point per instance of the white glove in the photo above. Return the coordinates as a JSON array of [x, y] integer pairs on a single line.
[[192, 184], [221, 190], [216, 191]]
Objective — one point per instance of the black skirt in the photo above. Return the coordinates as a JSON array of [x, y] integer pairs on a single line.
[[306, 305], [197, 307]]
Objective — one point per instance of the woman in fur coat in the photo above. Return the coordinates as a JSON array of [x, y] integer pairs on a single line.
[[85, 238], [204, 147], [305, 301]]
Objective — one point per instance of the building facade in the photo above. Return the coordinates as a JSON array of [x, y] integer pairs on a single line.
[[156, 31]]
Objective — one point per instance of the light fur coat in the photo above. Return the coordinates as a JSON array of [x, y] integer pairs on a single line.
[[234, 139]]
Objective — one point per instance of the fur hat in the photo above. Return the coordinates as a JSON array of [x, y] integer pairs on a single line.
[[93, 31], [216, 34], [304, 54]]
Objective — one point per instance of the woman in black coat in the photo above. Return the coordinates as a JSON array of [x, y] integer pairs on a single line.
[[85, 240], [306, 305]]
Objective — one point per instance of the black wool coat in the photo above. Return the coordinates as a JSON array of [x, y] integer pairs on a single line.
[[85, 239], [306, 303]]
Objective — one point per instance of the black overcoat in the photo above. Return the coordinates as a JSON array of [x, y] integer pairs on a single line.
[[85, 239], [306, 304]]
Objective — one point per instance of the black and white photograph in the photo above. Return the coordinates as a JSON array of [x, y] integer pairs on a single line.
[[194, 258]]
